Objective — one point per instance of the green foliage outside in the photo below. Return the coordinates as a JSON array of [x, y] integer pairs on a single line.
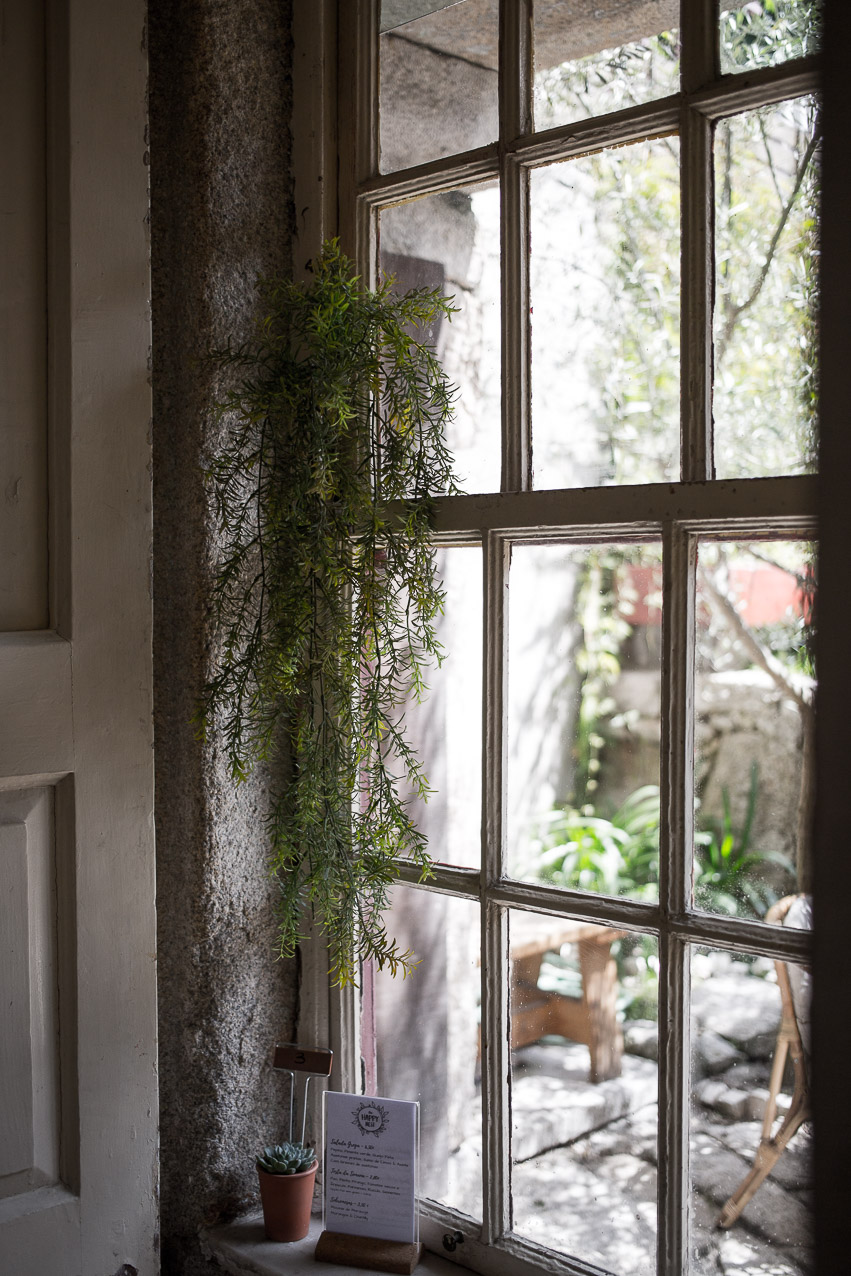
[[765, 401], [727, 869], [766, 207], [582, 850], [598, 661], [767, 32], [332, 449], [766, 175]]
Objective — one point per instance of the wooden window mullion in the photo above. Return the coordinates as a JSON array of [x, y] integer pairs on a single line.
[[697, 274], [698, 69], [358, 127], [515, 120], [496, 1059], [516, 335], [676, 838], [673, 1176]]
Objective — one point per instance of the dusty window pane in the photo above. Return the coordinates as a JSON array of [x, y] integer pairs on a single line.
[[451, 241], [754, 691], [767, 32], [583, 1090], [421, 1040], [438, 68], [602, 59], [767, 166], [605, 317], [584, 677], [749, 1067], [444, 728]]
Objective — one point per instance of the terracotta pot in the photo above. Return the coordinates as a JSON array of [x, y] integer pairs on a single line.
[[287, 1199]]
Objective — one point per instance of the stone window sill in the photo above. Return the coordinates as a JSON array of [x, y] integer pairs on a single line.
[[241, 1249]]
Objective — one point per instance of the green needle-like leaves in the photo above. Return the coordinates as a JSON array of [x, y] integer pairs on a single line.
[[326, 594]]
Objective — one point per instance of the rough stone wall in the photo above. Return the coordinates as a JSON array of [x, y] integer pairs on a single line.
[[220, 104], [742, 719]]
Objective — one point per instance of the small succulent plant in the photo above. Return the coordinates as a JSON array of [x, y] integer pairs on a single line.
[[286, 1158]]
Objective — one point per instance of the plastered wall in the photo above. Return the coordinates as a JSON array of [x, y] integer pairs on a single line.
[[220, 104]]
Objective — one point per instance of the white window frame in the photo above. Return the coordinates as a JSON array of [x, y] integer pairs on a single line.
[[345, 53]]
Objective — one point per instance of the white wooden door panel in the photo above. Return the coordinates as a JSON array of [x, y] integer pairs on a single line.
[[23, 398], [41, 1233], [77, 931], [37, 737], [29, 1117]]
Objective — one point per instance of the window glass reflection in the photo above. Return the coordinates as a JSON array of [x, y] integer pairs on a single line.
[[603, 59], [767, 185], [584, 1089], [604, 278], [754, 724], [438, 69], [450, 241], [421, 1039], [584, 678]]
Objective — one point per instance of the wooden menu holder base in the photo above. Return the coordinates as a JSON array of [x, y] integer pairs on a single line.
[[366, 1251]]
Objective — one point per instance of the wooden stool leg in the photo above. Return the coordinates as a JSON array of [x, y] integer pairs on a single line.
[[599, 991]]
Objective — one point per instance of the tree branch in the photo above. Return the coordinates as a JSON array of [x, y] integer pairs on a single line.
[[734, 313], [754, 647]]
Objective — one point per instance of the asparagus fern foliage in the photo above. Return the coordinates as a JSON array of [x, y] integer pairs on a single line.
[[326, 595]]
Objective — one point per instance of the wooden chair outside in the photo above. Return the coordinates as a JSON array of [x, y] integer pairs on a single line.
[[591, 1020], [789, 1043]]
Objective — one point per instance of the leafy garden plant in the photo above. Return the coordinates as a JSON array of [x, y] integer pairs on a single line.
[[583, 850], [326, 594], [579, 849], [728, 878], [286, 1158]]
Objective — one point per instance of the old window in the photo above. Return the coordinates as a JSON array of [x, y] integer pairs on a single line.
[[623, 201]]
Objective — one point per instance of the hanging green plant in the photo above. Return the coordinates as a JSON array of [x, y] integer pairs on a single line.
[[326, 592]]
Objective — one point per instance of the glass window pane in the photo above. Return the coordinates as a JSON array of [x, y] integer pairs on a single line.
[[451, 241], [754, 689], [584, 677], [425, 1034], [602, 59], [749, 1064], [766, 296], [445, 728], [438, 69], [584, 1111], [767, 32], [605, 317]]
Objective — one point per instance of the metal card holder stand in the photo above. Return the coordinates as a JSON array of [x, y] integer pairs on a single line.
[[307, 1061]]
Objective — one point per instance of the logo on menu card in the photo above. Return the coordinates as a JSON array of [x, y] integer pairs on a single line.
[[371, 1118]]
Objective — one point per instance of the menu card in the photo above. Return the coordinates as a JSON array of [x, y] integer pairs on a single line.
[[370, 1166]]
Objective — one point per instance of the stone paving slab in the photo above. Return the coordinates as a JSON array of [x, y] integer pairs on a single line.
[[554, 1107], [750, 1258], [749, 1022], [607, 1217]]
